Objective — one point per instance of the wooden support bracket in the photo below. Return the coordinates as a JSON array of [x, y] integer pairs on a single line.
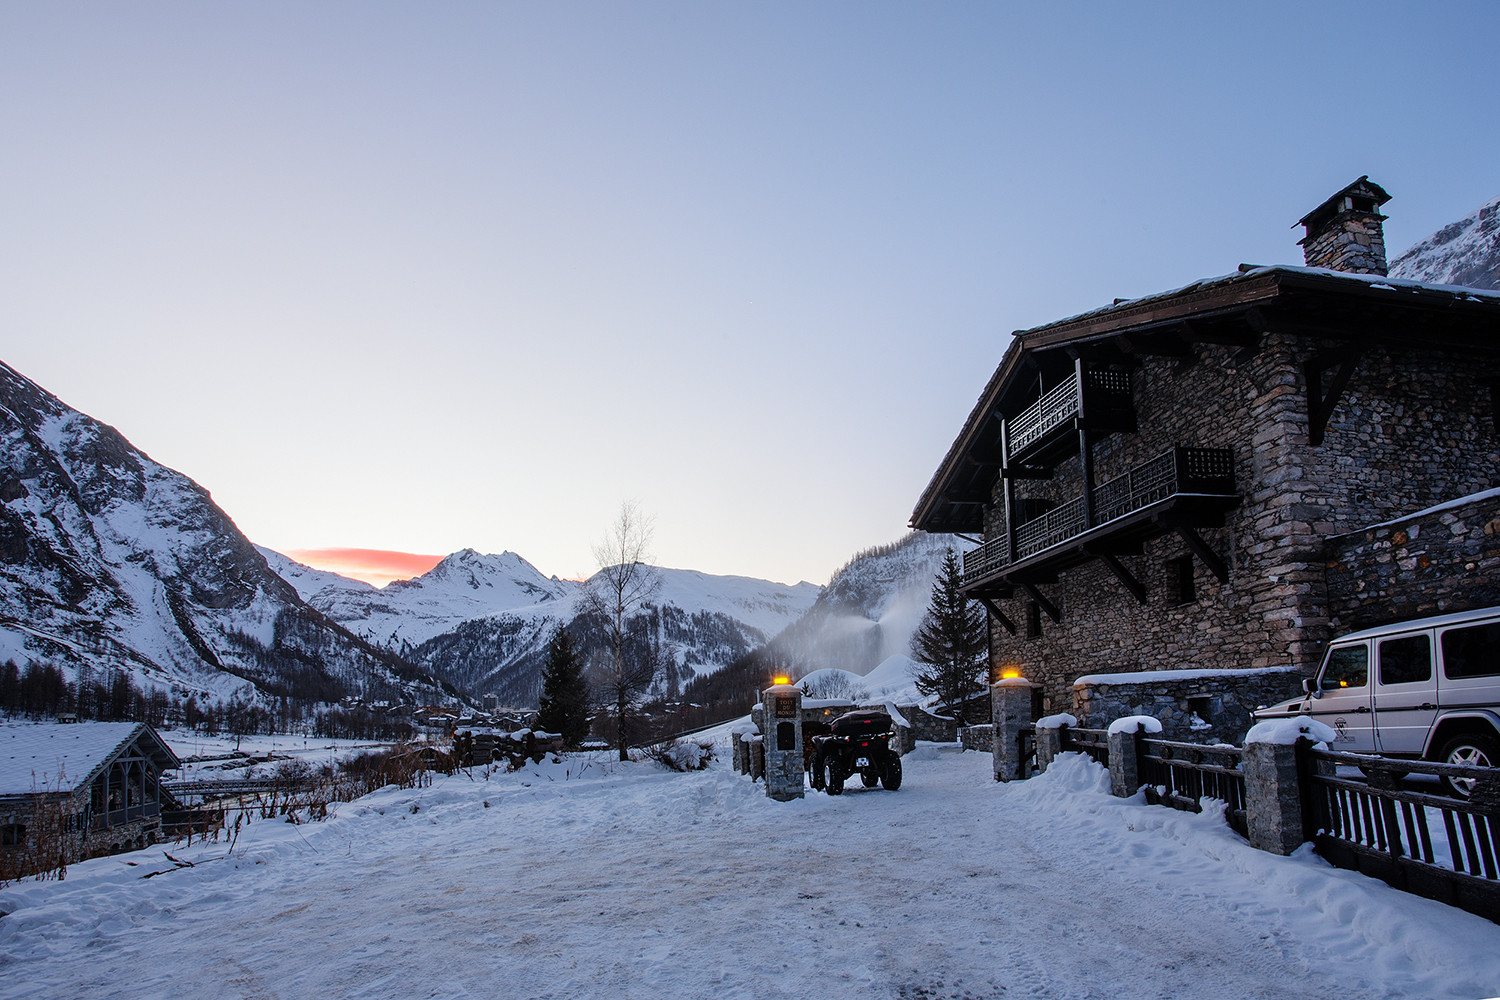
[[999, 616], [1136, 588], [1208, 556], [1323, 399], [1042, 602]]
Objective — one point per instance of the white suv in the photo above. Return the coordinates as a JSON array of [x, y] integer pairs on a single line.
[[1433, 692]]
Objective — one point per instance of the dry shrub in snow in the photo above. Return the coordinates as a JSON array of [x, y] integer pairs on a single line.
[[680, 754]]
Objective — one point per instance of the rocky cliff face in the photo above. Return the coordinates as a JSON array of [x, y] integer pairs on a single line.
[[1466, 252], [111, 561]]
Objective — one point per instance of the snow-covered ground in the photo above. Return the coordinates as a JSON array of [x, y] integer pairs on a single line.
[[587, 878]]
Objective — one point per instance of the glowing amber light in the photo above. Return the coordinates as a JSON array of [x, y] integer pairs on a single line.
[[1010, 673], [781, 680]]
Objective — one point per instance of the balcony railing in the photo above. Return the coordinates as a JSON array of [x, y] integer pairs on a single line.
[[1103, 389], [1057, 406], [1053, 528], [1179, 472]]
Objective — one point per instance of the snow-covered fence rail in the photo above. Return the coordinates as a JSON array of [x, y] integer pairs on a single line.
[[224, 788], [1182, 775], [1094, 742], [1429, 845]]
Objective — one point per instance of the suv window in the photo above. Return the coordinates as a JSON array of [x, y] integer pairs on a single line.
[[1347, 667], [1472, 651], [1406, 660]]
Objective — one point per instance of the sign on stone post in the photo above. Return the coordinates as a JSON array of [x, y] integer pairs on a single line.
[[1010, 703], [782, 711]]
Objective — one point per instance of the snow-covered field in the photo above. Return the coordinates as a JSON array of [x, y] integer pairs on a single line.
[[588, 878]]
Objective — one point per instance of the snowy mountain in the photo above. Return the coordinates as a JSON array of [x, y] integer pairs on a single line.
[[465, 585], [1466, 252], [870, 608], [483, 621], [864, 618], [109, 561], [698, 623]]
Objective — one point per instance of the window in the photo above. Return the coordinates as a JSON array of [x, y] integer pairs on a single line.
[[1180, 586], [1471, 651], [1033, 620], [1347, 667], [12, 835], [1405, 660]]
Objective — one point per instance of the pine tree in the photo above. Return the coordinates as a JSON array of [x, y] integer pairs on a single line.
[[565, 696], [953, 640]]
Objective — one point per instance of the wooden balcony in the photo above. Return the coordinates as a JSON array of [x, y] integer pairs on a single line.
[[1186, 486], [1095, 397]]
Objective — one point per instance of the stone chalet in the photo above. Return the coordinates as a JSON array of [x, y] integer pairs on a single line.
[[94, 787], [1220, 478]]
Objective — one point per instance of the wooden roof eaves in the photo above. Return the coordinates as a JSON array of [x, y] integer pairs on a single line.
[[161, 753], [965, 441]]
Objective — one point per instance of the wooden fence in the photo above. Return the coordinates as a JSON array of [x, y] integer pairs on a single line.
[[1094, 742], [1182, 775], [1430, 845]]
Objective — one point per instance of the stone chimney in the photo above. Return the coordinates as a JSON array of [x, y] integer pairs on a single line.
[[1344, 233]]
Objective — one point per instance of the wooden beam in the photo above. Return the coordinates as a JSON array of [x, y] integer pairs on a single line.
[[1160, 344], [1136, 588], [1042, 602], [1321, 400], [1025, 472], [997, 614], [1206, 555]]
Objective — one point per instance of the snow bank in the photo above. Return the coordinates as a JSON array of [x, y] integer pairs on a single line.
[[1056, 721], [593, 879]]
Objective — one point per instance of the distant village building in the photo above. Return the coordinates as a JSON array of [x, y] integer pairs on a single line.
[[80, 789], [1221, 477]]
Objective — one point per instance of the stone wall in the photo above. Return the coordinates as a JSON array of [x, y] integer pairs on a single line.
[[1198, 708], [1408, 432], [979, 738], [1443, 561]]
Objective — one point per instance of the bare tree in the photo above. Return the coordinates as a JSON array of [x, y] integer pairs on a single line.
[[615, 597]]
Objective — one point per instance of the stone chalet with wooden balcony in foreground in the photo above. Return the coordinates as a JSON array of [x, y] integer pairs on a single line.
[[75, 791], [1183, 497]]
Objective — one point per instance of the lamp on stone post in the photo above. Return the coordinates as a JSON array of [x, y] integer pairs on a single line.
[[1010, 704], [781, 710]]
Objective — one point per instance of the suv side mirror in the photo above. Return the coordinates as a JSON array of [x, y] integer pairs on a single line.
[[1309, 685]]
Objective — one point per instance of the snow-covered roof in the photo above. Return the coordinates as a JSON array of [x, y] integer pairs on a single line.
[[52, 757], [1469, 311], [1157, 676], [1436, 508]]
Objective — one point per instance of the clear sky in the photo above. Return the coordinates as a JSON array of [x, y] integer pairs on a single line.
[[425, 276]]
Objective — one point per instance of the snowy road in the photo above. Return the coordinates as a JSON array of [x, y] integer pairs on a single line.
[[630, 882]]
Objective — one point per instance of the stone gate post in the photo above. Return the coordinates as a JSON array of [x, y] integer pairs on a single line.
[[782, 712], [1010, 705]]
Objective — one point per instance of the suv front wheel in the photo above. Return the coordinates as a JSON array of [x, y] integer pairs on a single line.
[[1474, 750]]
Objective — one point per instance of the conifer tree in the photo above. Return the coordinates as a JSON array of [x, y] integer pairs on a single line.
[[565, 695], [952, 641]]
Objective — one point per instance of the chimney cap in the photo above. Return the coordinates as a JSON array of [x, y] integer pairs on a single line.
[[1364, 195]]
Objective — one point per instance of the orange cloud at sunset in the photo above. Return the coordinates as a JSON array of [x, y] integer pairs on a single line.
[[376, 566]]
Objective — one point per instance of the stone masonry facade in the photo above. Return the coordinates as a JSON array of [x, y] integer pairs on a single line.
[[1408, 432], [1440, 562]]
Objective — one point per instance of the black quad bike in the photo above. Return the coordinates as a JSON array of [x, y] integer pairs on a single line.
[[859, 744]]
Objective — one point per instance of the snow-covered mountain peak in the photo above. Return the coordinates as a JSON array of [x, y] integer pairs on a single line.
[[1466, 252]]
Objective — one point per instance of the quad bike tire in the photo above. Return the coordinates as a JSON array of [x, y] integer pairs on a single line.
[[890, 775], [869, 778], [835, 780]]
